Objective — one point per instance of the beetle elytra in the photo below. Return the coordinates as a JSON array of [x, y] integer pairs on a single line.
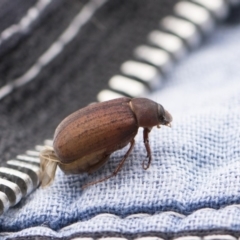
[[84, 141]]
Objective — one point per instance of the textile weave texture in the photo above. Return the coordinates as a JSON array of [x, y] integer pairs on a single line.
[[193, 182]]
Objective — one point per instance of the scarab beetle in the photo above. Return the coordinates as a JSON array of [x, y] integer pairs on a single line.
[[84, 140]]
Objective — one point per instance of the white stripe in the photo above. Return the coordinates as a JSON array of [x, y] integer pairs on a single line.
[[57, 47], [25, 22]]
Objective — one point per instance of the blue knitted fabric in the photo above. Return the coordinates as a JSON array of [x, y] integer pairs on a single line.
[[193, 182]]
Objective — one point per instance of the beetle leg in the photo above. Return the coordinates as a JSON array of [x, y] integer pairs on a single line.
[[146, 132], [117, 169]]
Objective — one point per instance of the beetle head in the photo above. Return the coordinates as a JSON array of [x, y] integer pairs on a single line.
[[164, 117]]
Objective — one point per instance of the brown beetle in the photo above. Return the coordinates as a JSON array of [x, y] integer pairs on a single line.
[[85, 139]]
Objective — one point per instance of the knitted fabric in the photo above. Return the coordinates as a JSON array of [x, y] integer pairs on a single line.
[[193, 182]]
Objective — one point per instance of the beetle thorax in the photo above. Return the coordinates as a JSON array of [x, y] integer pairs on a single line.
[[146, 112]]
